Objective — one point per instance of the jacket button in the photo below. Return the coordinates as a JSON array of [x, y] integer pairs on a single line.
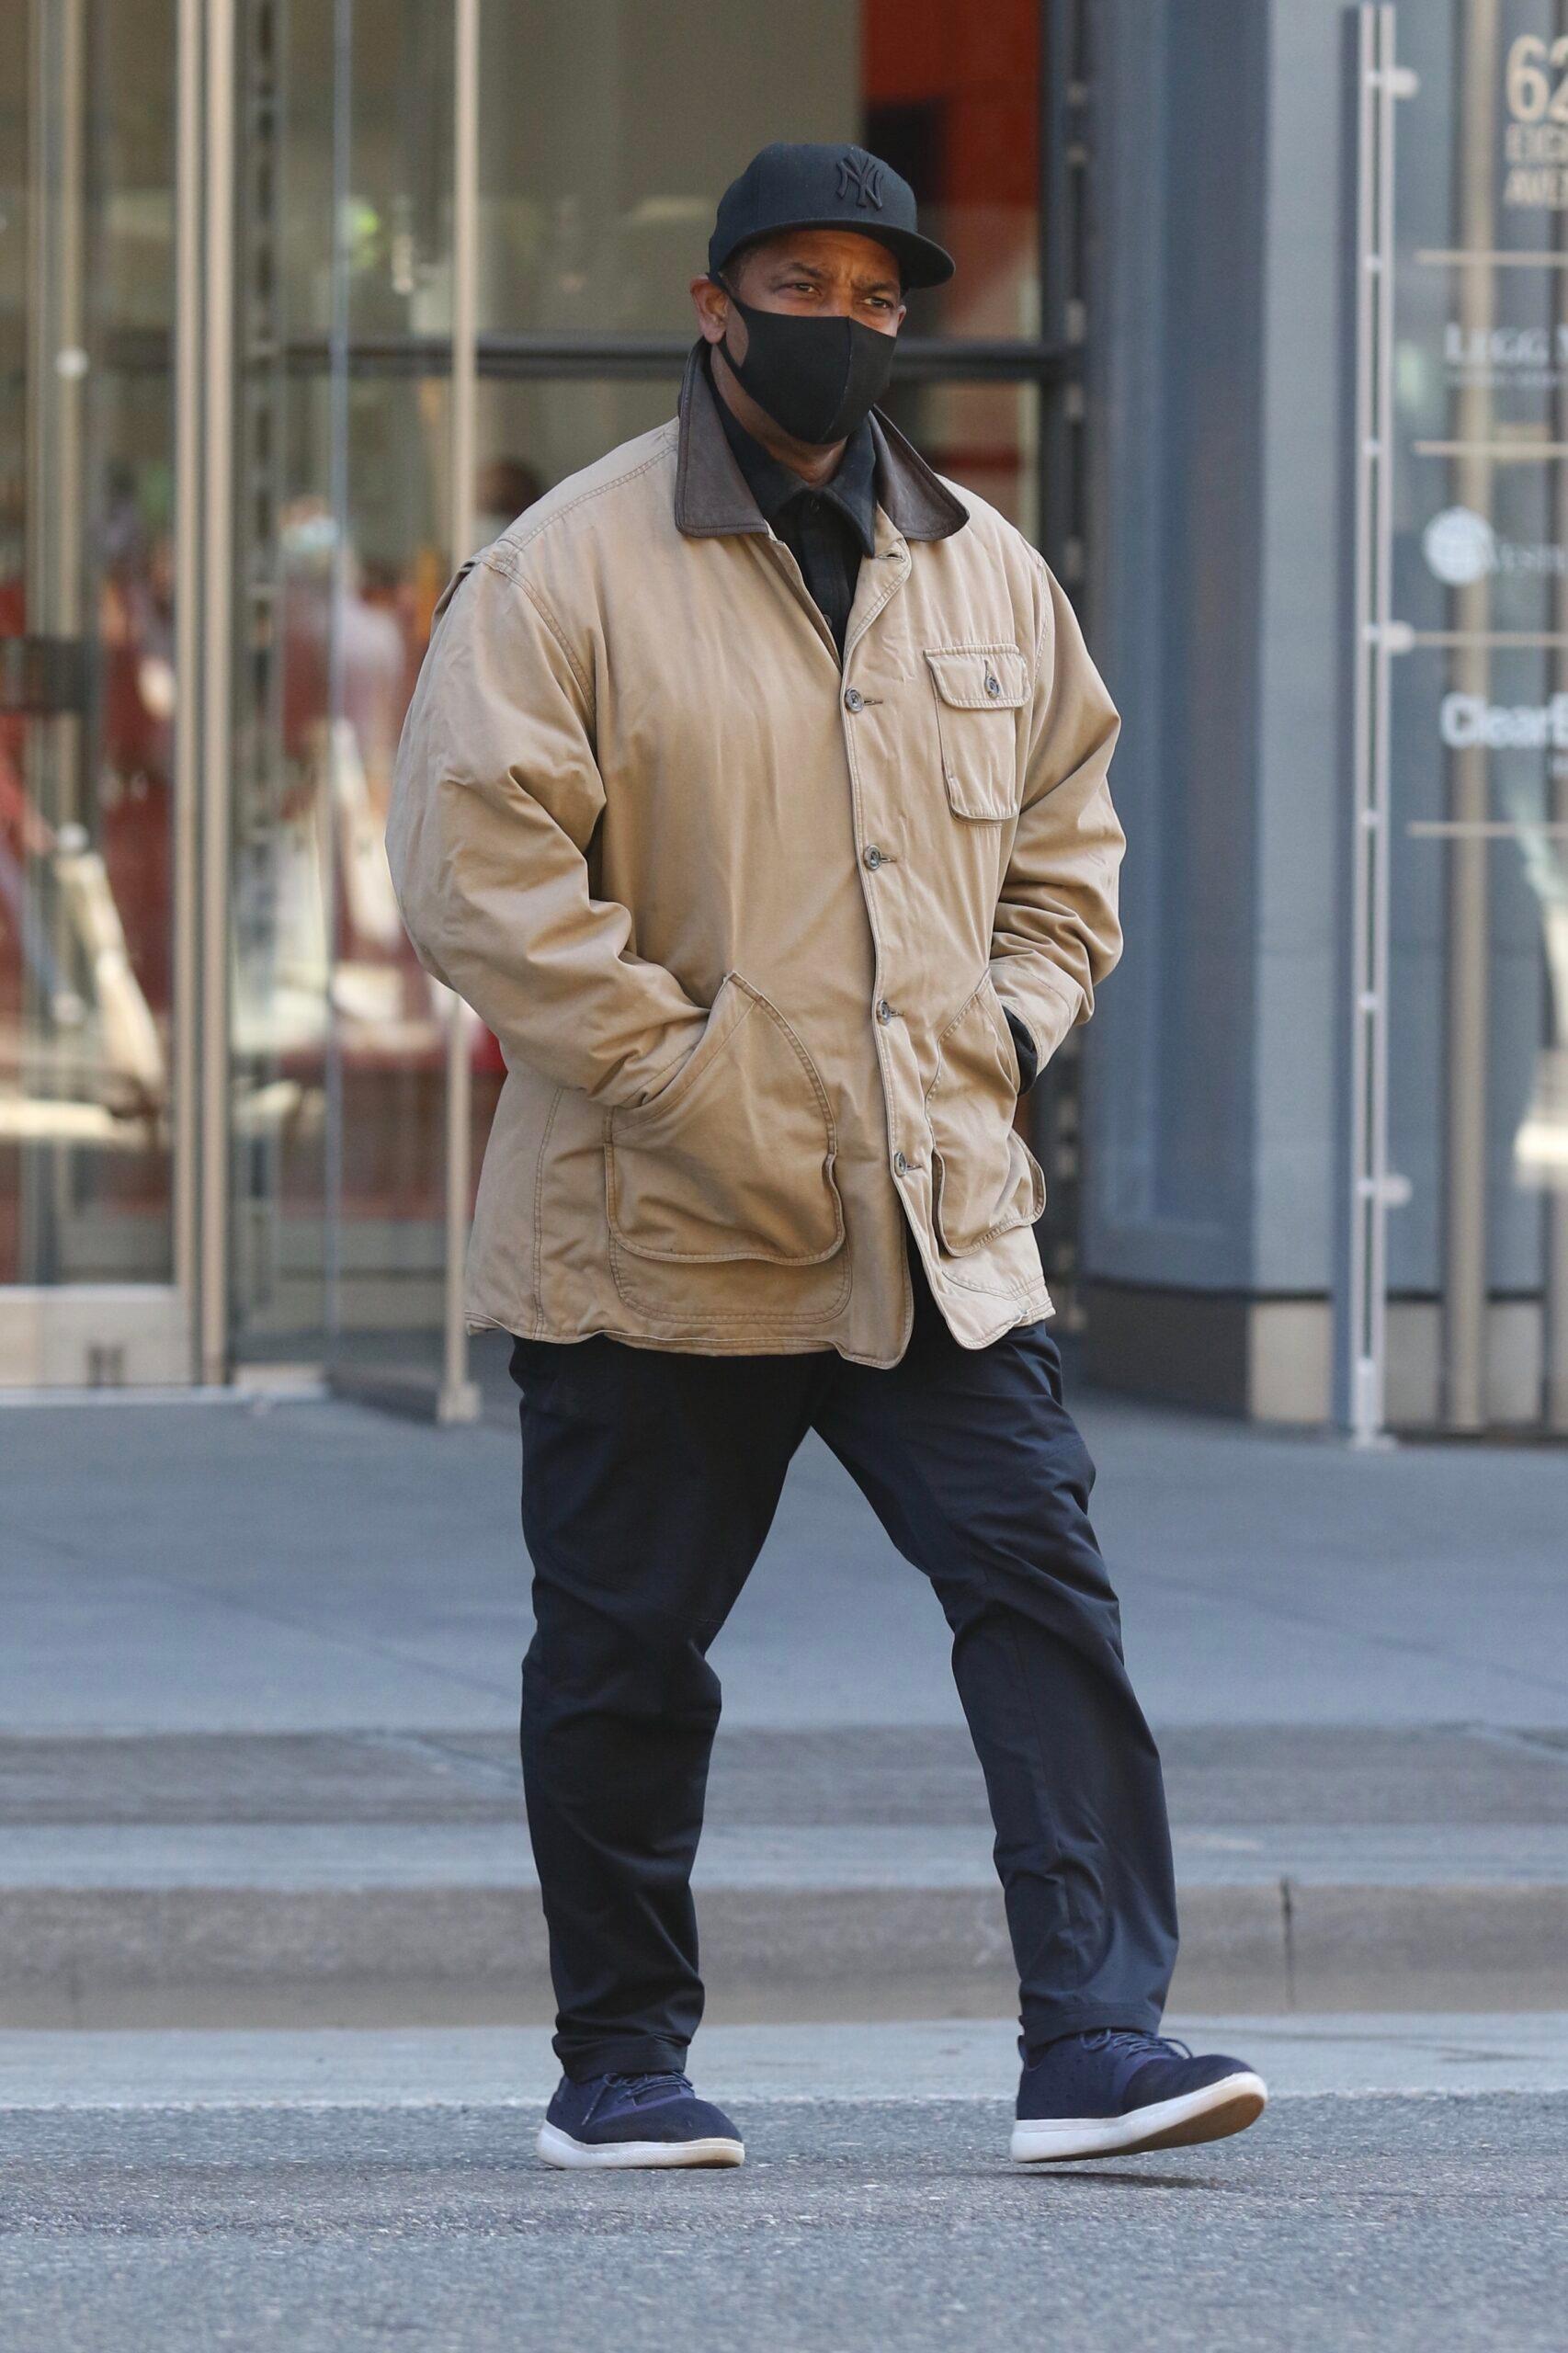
[[884, 1012], [853, 698], [901, 1165], [871, 857], [993, 684]]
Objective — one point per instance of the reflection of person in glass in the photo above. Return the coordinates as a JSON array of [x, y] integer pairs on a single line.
[[332, 821], [753, 791], [83, 913], [503, 490], [1541, 1143]]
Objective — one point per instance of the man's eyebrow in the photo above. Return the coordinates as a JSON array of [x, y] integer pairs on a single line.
[[888, 281]]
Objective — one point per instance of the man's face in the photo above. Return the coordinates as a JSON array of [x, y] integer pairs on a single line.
[[814, 273]]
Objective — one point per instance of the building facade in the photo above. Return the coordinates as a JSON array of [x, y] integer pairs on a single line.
[[298, 304]]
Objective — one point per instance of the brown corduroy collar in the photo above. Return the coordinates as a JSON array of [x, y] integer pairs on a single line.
[[712, 497]]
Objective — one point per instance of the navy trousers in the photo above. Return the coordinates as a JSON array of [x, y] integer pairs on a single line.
[[650, 1480]]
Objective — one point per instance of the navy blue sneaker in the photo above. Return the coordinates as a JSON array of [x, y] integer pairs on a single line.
[[1105, 2094], [636, 2121]]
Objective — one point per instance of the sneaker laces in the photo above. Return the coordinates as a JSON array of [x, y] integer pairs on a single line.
[[1125, 2041]]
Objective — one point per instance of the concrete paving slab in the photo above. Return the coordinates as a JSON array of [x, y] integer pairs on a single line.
[[924, 1775], [319, 1565], [449, 1857]]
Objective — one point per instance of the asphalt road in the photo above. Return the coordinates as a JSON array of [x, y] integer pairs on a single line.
[[1338, 2223]]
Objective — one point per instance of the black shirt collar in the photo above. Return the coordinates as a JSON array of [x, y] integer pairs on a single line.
[[853, 488]]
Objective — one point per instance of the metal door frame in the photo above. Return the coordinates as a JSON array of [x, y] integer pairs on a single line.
[[1464, 1300], [155, 1334], [1364, 1344]]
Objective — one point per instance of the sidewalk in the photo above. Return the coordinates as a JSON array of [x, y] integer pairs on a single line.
[[258, 1690]]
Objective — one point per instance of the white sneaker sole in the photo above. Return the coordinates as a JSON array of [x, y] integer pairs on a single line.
[[558, 2148], [1229, 2106]]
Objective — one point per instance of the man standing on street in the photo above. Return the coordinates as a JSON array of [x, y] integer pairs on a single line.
[[753, 793]]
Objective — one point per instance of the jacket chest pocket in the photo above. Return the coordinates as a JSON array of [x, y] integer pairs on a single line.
[[980, 690]]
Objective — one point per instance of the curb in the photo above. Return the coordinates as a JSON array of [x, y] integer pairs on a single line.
[[198, 1955]]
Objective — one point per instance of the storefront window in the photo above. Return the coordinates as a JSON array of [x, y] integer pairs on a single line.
[[86, 647], [601, 156], [607, 134], [609, 130]]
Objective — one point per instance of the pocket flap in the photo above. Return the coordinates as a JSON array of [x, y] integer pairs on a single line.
[[980, 678]]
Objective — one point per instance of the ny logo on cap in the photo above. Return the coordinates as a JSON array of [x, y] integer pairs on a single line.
[[864, 174]]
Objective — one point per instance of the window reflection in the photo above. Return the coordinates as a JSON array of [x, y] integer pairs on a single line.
[[86, 916], [604, 151], [601, 161]]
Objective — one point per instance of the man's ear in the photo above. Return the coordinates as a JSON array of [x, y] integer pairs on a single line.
[[712, 304]]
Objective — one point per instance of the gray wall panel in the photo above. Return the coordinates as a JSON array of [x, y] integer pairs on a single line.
[[1176, 416], [1301, 782]]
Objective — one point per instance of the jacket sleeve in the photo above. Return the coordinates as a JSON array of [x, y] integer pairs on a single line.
[[1055, 934], [494, 801]]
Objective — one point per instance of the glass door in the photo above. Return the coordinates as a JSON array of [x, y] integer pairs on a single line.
[[1460, 1079], [339, 1068], [379, 439], [94, 1182]]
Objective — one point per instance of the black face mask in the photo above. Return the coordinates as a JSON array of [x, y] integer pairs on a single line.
[[816, 377]]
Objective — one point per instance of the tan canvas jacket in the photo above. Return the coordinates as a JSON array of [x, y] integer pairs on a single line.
[[746, 923]]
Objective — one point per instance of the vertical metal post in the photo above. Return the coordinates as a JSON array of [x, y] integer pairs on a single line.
[[1554, 1272], [217, 683], [1464, 1224], [56, 390], [187, 653], [458, 1399], [338, 504], [261, 410], [1554, 1300], [1366, 1319], [1053, 1118]]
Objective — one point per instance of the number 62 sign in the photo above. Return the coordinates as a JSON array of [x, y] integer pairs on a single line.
[[1534, 143]]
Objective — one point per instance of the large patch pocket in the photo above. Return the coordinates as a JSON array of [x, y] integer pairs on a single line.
[[980, 691], [733, 1158], [985, 1180]]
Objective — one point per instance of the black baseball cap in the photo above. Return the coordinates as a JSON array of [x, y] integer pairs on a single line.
[[801, 184]]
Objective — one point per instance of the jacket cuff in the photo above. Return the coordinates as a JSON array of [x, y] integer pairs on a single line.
[[1027, 1051], [1046, 1001]]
